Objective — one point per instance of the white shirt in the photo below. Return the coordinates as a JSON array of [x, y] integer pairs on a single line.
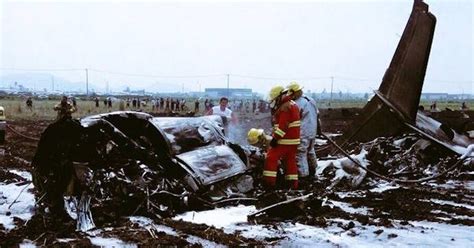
[[309, 116], [216, 110]]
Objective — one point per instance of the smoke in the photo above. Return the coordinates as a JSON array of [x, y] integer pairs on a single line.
[[237, 133]]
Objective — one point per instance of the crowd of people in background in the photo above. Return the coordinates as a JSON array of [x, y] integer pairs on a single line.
[[169, 104], [434, 107], [201, 105]]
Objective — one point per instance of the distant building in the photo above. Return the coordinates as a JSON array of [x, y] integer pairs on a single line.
[[231, 92], [434, 96], [460, 96], [136, 92]]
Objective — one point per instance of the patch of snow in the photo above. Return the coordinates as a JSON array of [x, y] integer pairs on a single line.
[[140, 220], [347, 207], [469, 185], [166, 229], [27, 244], [384, 186], [454, 216], [298, 235], [65, 240], [26, 175], [23, 207], [423, 234], [148, 223], [453, 184], [106, 242], [220, 217], [203, 242], [110, 242], [355, 193], [441, 202]]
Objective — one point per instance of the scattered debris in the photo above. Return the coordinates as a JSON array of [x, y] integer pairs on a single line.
[[394, 167]]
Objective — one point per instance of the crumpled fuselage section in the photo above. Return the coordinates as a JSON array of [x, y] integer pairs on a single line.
[[144, 164]]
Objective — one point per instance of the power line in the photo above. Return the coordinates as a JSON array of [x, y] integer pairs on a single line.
[[278, 78], [23, 69], [222, 75], [354, 78], [448, 81]]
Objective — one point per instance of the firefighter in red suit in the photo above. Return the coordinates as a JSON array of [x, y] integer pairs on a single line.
[[285, 139]]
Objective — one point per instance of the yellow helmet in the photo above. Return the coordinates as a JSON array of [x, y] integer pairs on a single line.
[[294, 87], [253, 134], [2, 113], [275, 92]]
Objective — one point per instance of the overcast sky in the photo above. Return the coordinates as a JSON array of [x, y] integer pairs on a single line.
[[353, 41]]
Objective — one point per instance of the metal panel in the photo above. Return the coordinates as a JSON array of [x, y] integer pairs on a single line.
[[187, 134], [213, 164]]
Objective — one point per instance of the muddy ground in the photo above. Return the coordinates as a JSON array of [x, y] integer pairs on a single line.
[[406, 203]]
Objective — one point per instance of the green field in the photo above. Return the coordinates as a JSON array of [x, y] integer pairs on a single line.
[[15, 109], [43, 109], [454, 105]]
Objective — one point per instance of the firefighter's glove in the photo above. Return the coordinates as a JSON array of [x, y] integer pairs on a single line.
[[273, 142]]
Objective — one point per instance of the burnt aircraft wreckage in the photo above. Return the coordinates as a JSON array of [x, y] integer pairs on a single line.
[[139, 164], [126, 163]]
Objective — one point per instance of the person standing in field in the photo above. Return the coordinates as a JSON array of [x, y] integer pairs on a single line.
[[222, 110], [167, 106], [196, 106], [285, 139], [206, 105], [183, 103], [162, 103], [153, 103], [158, 106], [64, 109], [74, 103], [306, 156], [29, 103]]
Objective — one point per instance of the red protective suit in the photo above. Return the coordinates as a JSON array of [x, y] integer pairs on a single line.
[[286, 131]]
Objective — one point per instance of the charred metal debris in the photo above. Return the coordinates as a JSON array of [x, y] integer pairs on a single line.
[[130, 163], [127, 163]]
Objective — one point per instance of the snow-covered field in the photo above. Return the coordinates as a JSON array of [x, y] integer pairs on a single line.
[[419, 234], [284, 234], [23, 207]]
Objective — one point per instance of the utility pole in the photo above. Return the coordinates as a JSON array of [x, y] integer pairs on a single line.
[[228, 79], [332, 84], [87, 82]]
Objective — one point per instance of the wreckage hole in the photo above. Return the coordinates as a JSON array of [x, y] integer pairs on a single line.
[[188, 134], [142, 131]]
